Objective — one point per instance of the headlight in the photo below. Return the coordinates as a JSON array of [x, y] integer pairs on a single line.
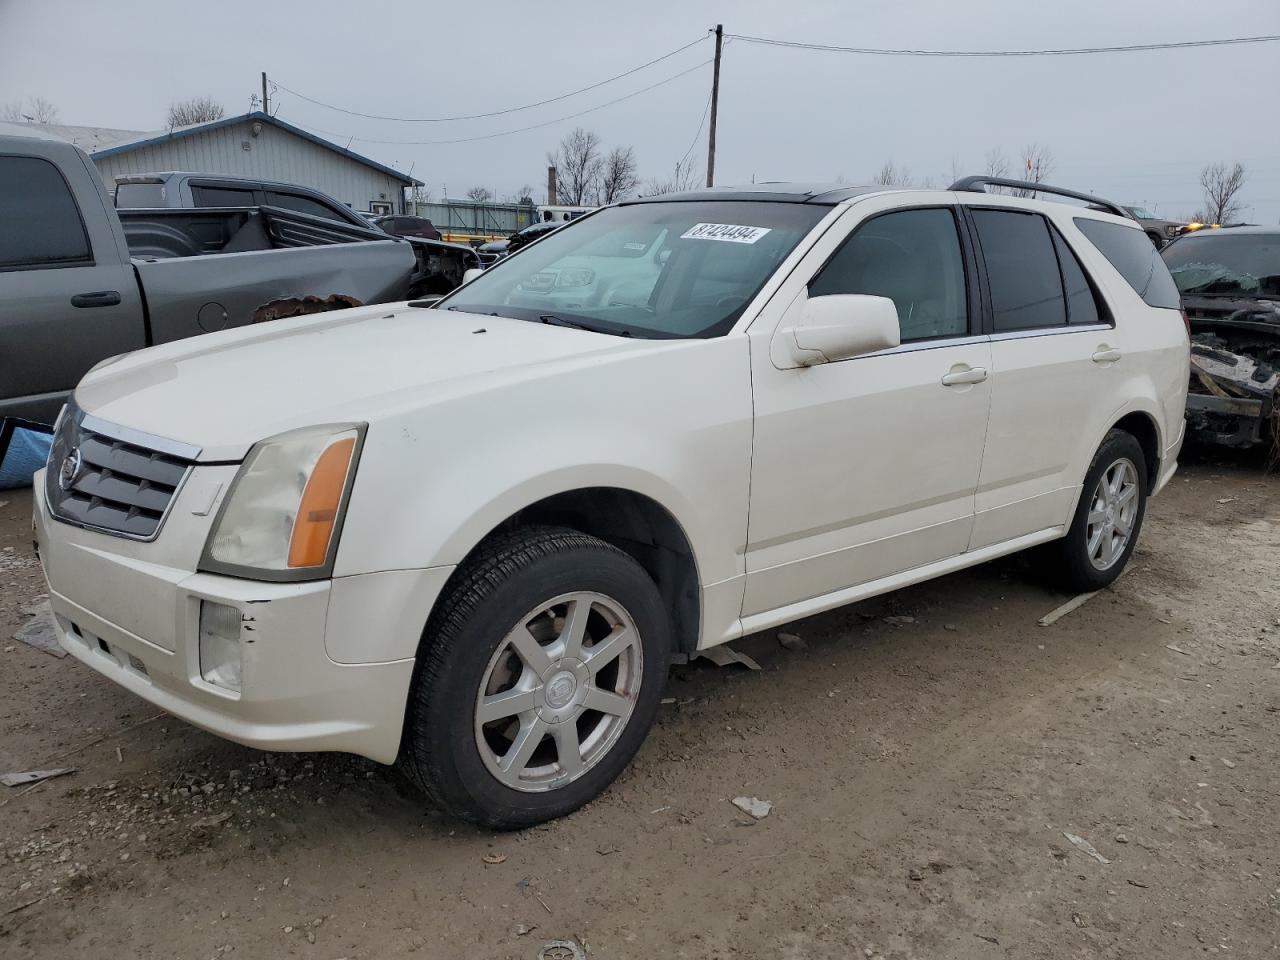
[[283, 515]]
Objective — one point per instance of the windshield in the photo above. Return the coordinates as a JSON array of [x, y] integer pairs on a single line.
[[1226, 265], [656, 270], [1140, 213]]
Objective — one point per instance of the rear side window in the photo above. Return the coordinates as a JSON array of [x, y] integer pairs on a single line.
[[1022, 269], [221, 197], [1135, 258], [41, 222], [913, 258]]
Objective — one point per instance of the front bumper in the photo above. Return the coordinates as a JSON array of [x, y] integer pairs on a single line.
[[137, 622]]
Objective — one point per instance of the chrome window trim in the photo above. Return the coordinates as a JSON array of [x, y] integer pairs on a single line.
[[138, 438], [939, 343], [1050, 331]]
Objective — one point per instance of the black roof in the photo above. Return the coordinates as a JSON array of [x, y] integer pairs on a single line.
[[826, 194]]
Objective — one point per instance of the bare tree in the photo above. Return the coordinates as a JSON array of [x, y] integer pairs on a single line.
[[1037, 164], [891, 175], [683, 177], [1222, 186], [183, 113], [578, 162], [480, 194], [618, 178], [995, 163], [32, 110]]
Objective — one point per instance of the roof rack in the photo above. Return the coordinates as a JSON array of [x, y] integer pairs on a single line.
[[976, 185]]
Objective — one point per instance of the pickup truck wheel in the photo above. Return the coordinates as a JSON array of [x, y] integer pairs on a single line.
[[1108, 517], [540, 675]]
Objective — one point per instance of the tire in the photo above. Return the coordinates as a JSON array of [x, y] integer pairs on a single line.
[[473, 656], [1070, 562]]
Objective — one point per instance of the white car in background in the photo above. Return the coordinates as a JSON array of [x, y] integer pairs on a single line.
[[470, 539]]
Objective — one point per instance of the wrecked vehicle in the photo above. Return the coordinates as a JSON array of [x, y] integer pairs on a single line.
[[80, 282], [1230, 285]]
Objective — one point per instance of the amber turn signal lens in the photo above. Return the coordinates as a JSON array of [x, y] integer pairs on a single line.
[[318, 511]]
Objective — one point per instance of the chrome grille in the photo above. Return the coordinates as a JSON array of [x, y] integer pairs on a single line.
[[109, 479]]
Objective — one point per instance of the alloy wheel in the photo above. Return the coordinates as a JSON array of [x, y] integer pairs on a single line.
[[1113, 511], [558, 691]]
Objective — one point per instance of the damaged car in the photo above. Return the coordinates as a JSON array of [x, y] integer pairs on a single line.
[[1229, 280], [82, 282]]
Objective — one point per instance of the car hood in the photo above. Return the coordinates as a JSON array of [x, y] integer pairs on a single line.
[[224, 392]]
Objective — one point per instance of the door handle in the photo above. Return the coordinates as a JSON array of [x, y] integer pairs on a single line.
[[1105, 354], [99, 298], [970, 375]]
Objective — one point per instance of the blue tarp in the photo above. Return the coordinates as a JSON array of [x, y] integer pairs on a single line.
[[23, 450]]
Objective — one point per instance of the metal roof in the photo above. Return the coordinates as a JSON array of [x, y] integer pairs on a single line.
[[151, 139], [827, 194], [107, 142]]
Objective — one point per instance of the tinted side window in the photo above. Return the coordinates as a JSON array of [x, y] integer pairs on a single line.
[[293, 201], [913, 258], [221, 197], [1082, 304], [40, 224], [1135, 259], [1022, 268]]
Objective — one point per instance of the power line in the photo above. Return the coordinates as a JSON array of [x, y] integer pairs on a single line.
[[495, 113], [701, 123], [507, 133], [1072, 51]]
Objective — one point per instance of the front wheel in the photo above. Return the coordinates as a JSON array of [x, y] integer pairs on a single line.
[[1107, 520], [540, 676]]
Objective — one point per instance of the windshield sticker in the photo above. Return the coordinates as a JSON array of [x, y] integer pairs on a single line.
[[727, 232]]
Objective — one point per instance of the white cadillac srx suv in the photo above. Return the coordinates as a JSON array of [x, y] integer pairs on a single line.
[[469, 537]]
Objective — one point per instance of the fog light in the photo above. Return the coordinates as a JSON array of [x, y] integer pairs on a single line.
[[220, 644]]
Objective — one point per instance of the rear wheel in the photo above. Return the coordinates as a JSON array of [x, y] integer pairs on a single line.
[[1107, 520], [540, 676]]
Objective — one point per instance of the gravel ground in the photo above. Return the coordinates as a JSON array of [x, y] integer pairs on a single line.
[[927, 754]]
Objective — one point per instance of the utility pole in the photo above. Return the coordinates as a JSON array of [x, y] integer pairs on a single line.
[[266, 104], [715, 103]]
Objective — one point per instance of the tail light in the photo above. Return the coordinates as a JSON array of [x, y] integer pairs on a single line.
[[1186, 322]]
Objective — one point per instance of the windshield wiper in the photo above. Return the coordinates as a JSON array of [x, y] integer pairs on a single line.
[[555, 321]]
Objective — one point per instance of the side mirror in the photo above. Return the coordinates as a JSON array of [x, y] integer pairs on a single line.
[[471, 274], [841, 326]]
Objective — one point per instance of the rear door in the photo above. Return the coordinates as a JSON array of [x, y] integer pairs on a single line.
[[867, 467], [67, 290], [1054, 356]]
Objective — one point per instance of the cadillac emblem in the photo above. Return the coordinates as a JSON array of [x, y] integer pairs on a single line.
[[69, 472]]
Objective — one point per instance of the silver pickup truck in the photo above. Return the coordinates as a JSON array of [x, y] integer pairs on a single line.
[[81, 282]]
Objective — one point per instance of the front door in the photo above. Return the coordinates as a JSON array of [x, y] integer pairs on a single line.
[[67, 303], [868, 467]]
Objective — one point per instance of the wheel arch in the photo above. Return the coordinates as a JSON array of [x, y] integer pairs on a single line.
[[635, 523], [1143, 425]]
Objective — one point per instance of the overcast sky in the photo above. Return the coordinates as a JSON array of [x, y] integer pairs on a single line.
[[1136, 128]]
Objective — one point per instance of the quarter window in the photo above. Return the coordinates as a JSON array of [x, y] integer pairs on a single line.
[[41, 222], [913, 258], [1132, 254], [1022, 269]]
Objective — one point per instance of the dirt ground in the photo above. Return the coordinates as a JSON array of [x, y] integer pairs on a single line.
[[924, 772]]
